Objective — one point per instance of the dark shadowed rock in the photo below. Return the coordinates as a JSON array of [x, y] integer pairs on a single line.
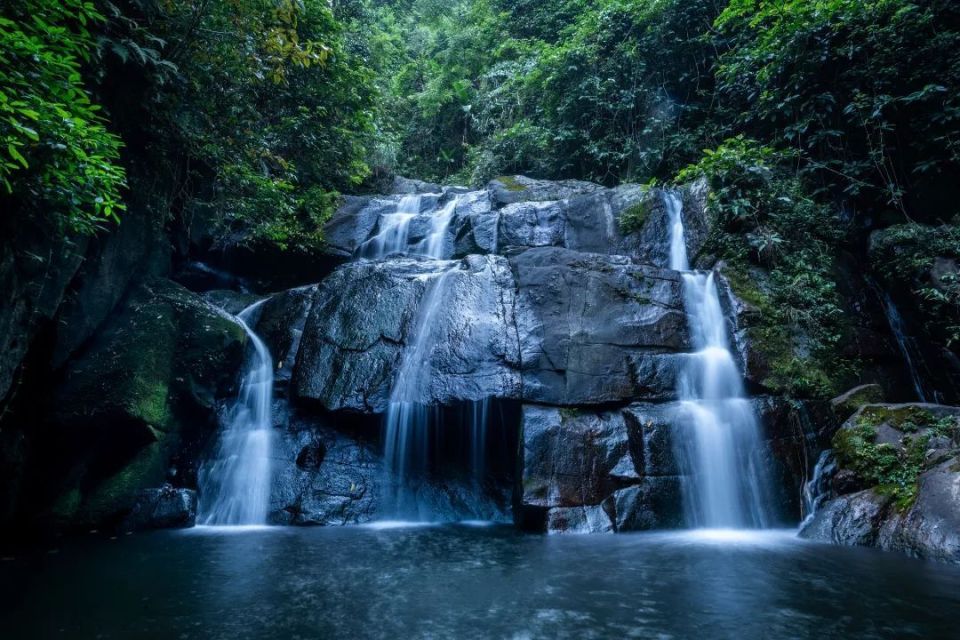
[[593, 519], [651, 428], [280, 324], [145, 387], [846, 404], [655, 503], [163, 508], [572, 458], [323, 477], [851, 520]]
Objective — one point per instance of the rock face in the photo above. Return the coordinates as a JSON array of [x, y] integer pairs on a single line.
[[143, 392], [549, 325], [551, 297], [590, 472], [913, 452], [554, 313], [163, 508]]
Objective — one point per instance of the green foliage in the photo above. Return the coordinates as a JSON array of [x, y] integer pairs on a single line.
[[906, 256], [266, 101], [633, 217], [555, 89], [56, 151], [861, 89], [256, 106], [763, 218], [893, 470]]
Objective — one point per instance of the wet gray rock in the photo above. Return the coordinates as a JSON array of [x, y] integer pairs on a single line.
[[594, 329], [655, 503], [851, 520], [551, 325], [588, 472], [280, 323], [510, 189], [593, 519], [929, 527], [324, 478], [650, 428], [163, 508], [403, 185], [353, 222], [573, 458], [350, 354]]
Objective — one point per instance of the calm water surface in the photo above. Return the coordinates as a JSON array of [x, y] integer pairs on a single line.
[[471, 582]]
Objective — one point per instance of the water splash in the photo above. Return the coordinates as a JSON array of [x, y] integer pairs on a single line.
[[235, 483], [720, 447]]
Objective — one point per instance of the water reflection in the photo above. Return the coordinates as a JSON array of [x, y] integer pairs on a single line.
[[473, 582]]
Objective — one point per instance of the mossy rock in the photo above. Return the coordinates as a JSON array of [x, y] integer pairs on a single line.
[[888, 447], [510, 183], [635, 216], [153, 372], [778, 359], [848, 403]]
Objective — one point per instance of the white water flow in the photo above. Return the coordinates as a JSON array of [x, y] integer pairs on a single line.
[[235, 484], [407, 432], [721, 450], [817, 489], [394, 234]]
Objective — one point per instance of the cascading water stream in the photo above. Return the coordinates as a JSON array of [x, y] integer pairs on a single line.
[[407, 429], [725, 486], [394, 234], [235, 484]]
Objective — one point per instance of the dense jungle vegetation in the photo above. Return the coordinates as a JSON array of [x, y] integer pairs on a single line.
[[816, 123]]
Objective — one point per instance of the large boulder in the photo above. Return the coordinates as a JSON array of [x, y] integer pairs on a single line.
[[596, 329], [588, 472], [368, 316], [847, 403], [896, 484], [163, 508], [511, 189], [551, 325], [144, 391]]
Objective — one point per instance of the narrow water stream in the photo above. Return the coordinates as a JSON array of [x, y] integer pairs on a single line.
[[235, 483]]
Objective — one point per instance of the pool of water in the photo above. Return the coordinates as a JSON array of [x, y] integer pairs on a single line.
[[471, 581]]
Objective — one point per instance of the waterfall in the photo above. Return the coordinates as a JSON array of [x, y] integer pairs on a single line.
[[394, 233], [817, 490], [907, 345], [235, 483], [407, 427], [720, 446]]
